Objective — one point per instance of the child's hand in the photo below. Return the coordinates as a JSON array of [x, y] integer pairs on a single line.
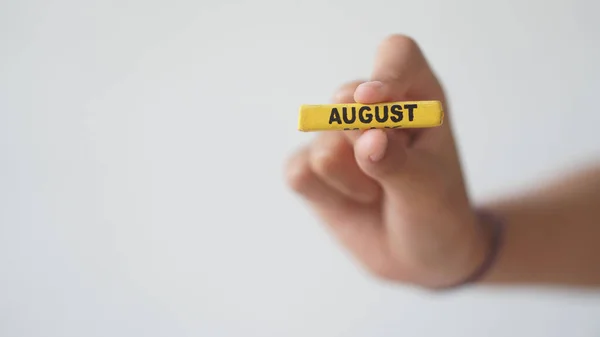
[[395, 198]]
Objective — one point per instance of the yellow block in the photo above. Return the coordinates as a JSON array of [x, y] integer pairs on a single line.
[[355, 116]]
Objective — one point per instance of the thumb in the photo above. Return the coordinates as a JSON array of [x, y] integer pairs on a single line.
[[382, 154]]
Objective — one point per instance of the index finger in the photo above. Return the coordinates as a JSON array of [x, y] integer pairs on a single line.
[[400, 72]]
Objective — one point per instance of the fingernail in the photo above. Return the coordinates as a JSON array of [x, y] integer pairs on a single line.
[[377, 145], [366, 90], [370, 85]]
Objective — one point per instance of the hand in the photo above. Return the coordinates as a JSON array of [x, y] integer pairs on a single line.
[[395, 199]]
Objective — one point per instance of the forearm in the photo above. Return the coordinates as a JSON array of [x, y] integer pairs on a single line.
[[552, 235]]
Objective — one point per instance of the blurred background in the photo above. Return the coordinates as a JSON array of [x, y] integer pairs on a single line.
[[142, 145]]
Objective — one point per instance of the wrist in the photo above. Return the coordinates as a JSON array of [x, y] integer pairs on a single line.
[[486, 247]]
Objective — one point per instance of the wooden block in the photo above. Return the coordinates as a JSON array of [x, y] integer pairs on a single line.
[[355, 116]]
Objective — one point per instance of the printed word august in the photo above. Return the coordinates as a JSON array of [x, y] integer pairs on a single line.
[[370, 114]]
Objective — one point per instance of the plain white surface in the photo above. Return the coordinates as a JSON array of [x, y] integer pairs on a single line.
[[142, 146]]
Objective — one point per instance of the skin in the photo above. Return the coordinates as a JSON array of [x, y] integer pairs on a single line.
[[397, 201]]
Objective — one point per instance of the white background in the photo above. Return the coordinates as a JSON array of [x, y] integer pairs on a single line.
[[142, 145]]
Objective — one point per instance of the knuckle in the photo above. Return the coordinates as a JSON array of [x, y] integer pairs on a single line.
[[381, 270], [298, 172], [325, 153], [345, 93], [379, 264], [324, 161]]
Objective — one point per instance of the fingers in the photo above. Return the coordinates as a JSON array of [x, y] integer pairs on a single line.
[[332, 159], [356, 225], [399, 64], [304, 181], [330, 163]]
